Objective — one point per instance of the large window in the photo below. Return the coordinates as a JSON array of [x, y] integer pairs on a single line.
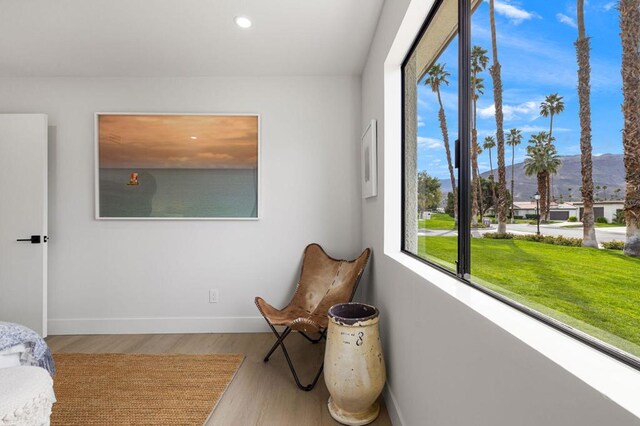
[[514, 172]]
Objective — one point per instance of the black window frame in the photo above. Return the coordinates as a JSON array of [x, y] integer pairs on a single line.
[[463, 163]]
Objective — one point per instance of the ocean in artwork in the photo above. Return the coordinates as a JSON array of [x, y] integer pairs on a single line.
[[178, 193]]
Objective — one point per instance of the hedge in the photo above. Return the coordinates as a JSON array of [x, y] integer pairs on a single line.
[[547, 239], [613, 245]]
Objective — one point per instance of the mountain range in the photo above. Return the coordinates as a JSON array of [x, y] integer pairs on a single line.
[[608, 170]]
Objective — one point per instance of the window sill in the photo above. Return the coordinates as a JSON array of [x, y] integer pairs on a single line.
[[615, 380]]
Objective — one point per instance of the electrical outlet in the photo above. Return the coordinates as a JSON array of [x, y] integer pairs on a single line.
[[213, 296]]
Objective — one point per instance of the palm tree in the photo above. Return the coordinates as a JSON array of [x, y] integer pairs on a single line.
[[490, 142], [604, 189], [436, 76], [630, 36], [497, 98], [570, 194], [537, 142], [479, 62], [542, 160], [552, 105], [477, 86], [534, 164], [478, 186], [514, 138]]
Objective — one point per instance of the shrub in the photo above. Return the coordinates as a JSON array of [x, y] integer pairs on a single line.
[[619, 218], [613, 245], [563, 241], [530, 216], [530, 237], [547, 239], [479, 226], [602, 220], [572, 219], [496, 236]]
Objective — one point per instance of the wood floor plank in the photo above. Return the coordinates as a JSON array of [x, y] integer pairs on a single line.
[[261, 394]]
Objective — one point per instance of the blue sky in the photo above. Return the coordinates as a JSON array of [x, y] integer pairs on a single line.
[[537, 54]]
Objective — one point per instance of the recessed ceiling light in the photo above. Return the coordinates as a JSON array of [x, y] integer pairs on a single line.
[[242, 21], [194, 137]]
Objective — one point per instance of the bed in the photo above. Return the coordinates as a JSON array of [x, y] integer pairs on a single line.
[[26, 375]]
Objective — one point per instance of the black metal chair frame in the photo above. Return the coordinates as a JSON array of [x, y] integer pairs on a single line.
[[280, 342], [323, 335]]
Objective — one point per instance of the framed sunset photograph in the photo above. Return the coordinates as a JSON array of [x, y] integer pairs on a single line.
[[177, 166]]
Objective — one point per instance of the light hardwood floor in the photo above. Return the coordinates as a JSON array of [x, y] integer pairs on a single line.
[[260, 394]]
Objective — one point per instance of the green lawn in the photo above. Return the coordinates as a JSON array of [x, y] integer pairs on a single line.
[[596, 291], [437, 221]]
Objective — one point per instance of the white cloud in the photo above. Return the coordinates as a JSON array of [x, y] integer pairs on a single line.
[[527, 110], [567, 20], [428, 101], [559, 59], [536, 129], [515, 14], [487, 112], [609, 6], [420, 121], [524, 129], [431, 143], [486, 132]]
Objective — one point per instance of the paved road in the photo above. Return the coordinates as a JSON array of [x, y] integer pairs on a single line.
[[602, 234]]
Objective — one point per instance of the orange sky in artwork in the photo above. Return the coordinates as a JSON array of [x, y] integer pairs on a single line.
[[178, 141]]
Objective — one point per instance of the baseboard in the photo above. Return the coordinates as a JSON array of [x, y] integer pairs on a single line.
[[59, 326], [392, 407]]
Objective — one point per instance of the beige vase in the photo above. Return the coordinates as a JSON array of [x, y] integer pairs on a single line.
[[354, 366]]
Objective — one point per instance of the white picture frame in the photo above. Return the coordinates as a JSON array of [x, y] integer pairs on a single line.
[[369, 161], [257, 214]]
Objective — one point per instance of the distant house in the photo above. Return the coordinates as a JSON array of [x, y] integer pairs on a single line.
[[524, 208], [557, 211], [606, 209]]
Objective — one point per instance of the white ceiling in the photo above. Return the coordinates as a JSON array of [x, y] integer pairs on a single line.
[[106, 38]]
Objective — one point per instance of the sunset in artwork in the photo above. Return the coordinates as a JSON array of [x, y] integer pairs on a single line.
[[177, 166], [178, 141]]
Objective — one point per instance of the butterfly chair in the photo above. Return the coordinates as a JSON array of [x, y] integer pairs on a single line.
[[324, 281]]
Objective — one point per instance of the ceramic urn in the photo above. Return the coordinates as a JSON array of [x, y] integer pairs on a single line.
[[354, 365]]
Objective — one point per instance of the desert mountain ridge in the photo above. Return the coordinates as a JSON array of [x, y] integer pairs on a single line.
[[608, 170]]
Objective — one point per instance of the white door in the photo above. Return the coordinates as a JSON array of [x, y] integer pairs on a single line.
[[23, 214]]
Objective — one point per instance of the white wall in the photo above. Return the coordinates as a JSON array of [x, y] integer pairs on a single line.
[[448, 365], [154, 276], [610, 210]]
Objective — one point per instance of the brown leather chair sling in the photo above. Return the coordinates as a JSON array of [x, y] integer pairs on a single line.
[[324, 281]]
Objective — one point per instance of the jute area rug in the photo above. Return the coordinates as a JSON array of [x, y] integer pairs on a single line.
[[135, 389]]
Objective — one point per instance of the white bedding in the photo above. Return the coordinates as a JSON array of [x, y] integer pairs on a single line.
[[14, 356], [27, 396]]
